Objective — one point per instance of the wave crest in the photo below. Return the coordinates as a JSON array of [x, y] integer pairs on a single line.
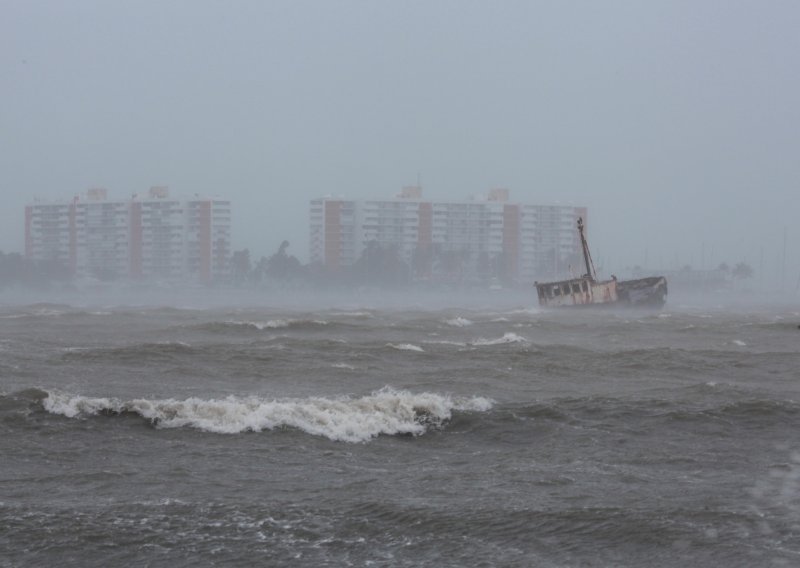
[[509, 337], [387, 411], [238, 325], [405, 347]]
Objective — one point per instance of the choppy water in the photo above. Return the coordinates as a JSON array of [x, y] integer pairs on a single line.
[[399, 437]]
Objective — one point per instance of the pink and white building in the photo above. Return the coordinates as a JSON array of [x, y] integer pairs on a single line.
[[150, 237], [470, 240]]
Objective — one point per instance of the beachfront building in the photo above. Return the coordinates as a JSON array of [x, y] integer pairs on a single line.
[[151, 237], [475, 241]]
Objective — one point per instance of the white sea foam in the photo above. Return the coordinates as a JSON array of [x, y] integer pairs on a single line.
[[47, 312], [352, 314], [273, 324], [173, 343], [345, 419], [447, 342], [343, 366], [459, 322], [739, 342], [509, 337], [405, 347]]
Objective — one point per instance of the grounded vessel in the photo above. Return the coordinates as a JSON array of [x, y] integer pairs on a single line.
[[587, 290]]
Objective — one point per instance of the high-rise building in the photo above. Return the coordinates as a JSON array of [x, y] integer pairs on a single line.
[[450, 240], [101, 235], [154, 237]]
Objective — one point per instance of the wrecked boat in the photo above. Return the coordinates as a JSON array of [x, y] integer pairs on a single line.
[[587, 290]]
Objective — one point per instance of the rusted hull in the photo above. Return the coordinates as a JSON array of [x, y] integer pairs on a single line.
[[585, 292], [588, 291], [645, 292]]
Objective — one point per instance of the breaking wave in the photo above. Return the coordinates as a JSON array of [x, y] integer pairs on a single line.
[[509, 337], [345, 419], [278, 323], [459, 322], [405, 347], [356, 314]]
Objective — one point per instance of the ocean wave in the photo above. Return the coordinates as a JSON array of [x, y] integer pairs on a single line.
[[22, 399], [509, 337], [627, 411], [135, 352], [458, 322], [405, 347], [261, 325], [278, 323], [36, 313], [344, 419], [447, 342], [526, 311], [356, 314]]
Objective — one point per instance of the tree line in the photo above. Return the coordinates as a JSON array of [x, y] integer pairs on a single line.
[[377, 265]]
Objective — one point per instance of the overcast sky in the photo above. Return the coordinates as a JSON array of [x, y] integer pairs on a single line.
[[676, 123]]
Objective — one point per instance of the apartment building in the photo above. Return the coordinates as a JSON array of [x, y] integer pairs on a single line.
[[152, 237], [450, 240]]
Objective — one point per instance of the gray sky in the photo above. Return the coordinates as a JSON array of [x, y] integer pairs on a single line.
[[676, 123]]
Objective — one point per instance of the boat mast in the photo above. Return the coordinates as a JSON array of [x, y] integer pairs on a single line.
[[587, 257]]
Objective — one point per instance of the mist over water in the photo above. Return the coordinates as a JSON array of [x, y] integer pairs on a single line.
[[395, 429], [149, 425]]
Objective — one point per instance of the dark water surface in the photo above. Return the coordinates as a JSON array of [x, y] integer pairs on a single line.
[[399, 437]]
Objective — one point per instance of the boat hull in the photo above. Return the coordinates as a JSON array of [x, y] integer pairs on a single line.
[[586, 292], [643, 292]]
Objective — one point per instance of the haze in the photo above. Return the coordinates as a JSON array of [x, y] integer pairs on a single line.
[[676, 123]]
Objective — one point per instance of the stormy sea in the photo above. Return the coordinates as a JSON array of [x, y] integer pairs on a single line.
[[469, 433]]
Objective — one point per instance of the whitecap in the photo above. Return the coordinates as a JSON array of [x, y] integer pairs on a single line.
[[352, 314], [447, 342], [45, 312], [405, 347], [271, 324], [458, 322], [346, 419], [509, 337], [739, 342]]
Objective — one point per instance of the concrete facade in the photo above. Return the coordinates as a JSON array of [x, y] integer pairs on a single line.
[[153, 237], [472, 241]]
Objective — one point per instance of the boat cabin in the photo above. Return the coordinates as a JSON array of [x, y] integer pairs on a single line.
[[576, 292]]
